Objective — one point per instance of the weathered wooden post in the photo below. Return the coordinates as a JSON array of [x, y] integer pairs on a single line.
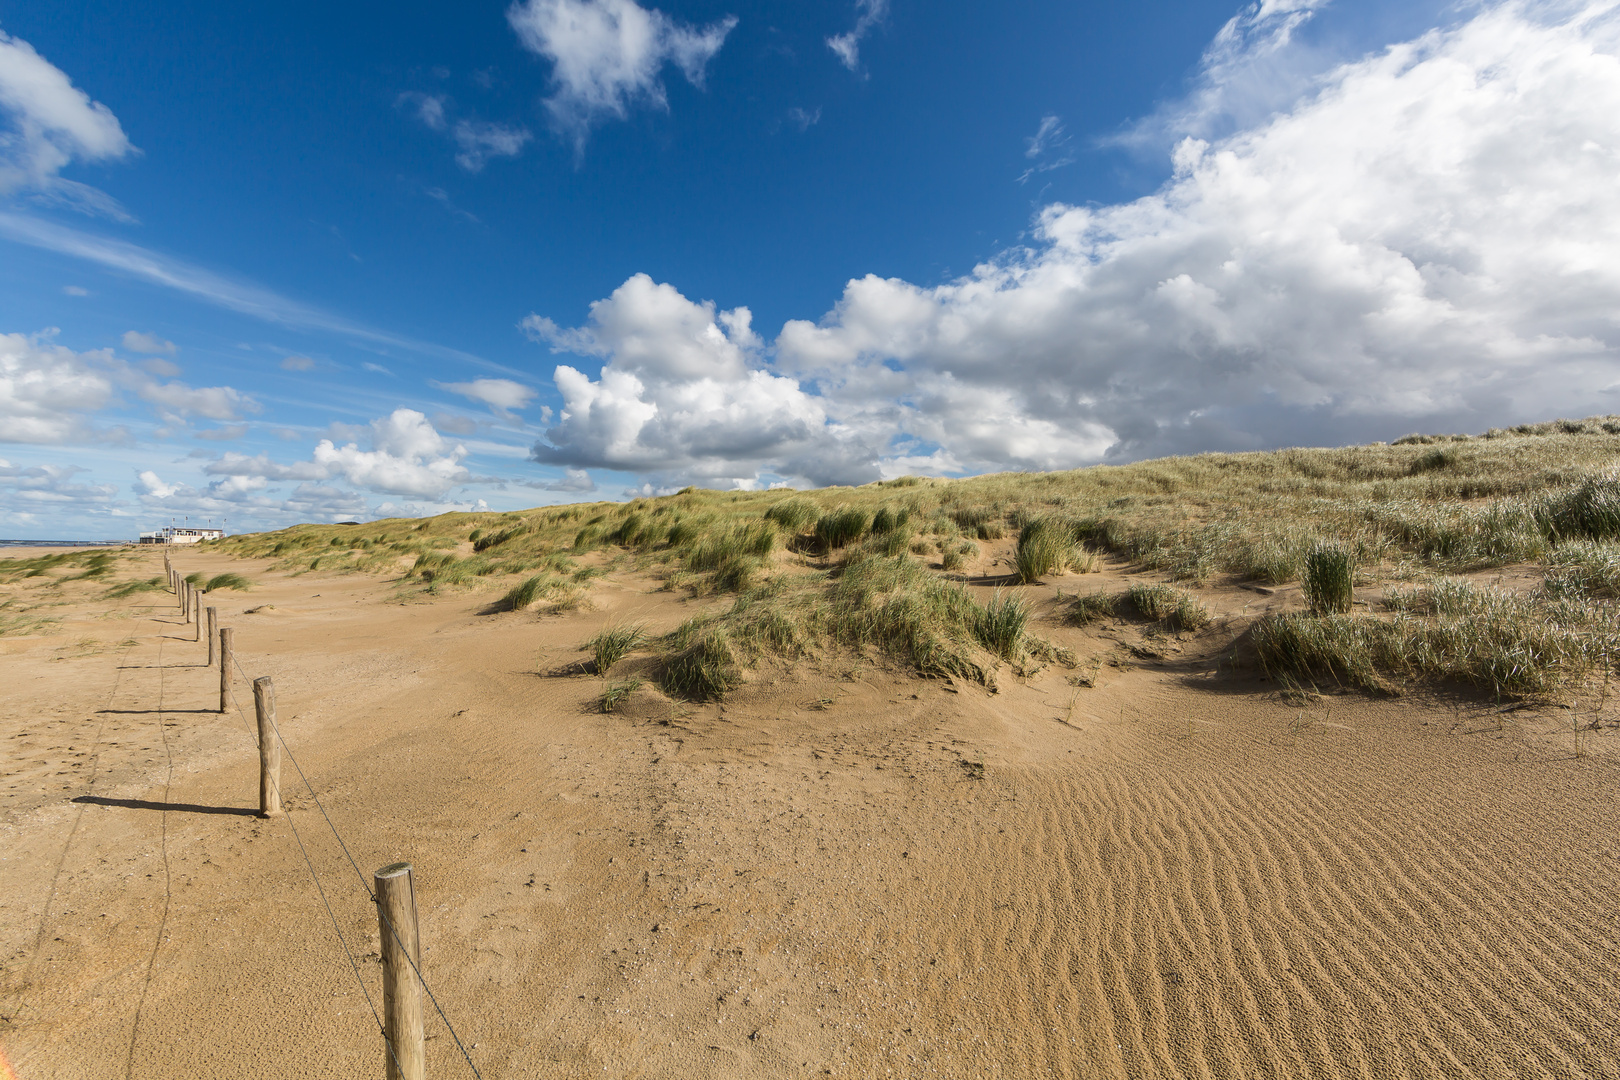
[[196, 614], [213, 634], [225, 658], [185, 600], [264, 705], [401, 957]]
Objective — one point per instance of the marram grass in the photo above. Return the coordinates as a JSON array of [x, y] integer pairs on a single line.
[[1329, 580], [618, 693], [613, 643], [1428, 505]]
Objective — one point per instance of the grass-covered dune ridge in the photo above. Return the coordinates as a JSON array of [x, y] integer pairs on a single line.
[[1414, 509]]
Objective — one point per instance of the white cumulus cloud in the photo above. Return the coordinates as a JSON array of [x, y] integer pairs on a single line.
[[47, 391], [1253, 69], [29, 489], [149, 483], [678, 392], [51, 394], [46, 123], [608, 54], [406, 457], [1429, 239], [1432, 237], [176, 401]]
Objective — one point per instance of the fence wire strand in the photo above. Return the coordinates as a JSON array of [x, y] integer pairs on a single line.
[[364, 885], [321, 892]]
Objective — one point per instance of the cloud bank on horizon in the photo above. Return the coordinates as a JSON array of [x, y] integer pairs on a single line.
[[1426, 237], [1429, 235]]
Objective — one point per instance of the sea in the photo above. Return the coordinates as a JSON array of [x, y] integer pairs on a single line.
[[63, 543]]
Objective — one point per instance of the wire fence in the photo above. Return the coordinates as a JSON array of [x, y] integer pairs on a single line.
[[364, 885]]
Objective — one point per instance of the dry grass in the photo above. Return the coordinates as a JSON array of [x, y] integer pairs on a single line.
[[1487, 637], [1176, 609], [131, 588]]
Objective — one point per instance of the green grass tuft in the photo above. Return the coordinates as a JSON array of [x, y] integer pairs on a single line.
[[1091, 608], [1045, 546], [1452, 629], [731, 555], [705, 669], [522, 596], [1589, 511], [614, 643], [1178, 610], [617, 694], [891, 519], [228, 581], [1000, 626], [1584, 569], [1329, 581], [842, 527], [794, 515]]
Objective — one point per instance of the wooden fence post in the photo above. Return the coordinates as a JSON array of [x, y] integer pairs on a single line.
[[196, 615], [185, 600], [264, 705], [213, 634], [402, 993], [225, 658]]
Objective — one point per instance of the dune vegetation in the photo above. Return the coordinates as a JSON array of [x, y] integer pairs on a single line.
[[880, 566]]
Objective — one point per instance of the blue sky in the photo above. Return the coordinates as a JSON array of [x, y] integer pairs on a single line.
[[286, 262]]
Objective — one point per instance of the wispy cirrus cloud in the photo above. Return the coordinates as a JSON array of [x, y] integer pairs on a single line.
[[477, 141], [503, 396], [847, 46], [1253, 69], [137, 341], [1049, 148], [226, 292]]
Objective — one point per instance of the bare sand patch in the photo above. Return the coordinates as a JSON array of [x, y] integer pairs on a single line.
[[841, 871]]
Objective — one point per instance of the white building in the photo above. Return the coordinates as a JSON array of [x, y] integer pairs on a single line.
[[174, 535]]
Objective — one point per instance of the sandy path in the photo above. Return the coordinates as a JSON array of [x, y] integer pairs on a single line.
[[847, 876]]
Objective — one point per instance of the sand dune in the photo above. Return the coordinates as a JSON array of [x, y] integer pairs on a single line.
[[841, 871]]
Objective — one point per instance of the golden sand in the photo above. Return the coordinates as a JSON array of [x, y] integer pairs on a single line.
[[841, 871]]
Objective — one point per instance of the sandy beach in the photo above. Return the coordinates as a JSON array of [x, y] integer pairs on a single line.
[[843, 870]]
